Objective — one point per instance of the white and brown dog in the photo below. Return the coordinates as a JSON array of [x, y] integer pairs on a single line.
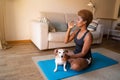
[[60, 58]]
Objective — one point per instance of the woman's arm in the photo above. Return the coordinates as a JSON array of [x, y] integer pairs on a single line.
[[87, 44], [69, 37]]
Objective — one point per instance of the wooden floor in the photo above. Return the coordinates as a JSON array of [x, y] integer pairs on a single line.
[[16, 62], [110, 44]]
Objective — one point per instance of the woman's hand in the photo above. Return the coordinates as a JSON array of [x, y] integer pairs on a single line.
[[70, 25], [70, 54]]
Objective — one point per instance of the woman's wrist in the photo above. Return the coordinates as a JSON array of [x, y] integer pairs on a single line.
[[69, 29]]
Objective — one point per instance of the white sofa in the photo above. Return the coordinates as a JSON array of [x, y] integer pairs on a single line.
[[44, 39]]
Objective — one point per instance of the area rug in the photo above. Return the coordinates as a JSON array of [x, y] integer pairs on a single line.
[[47, 66]]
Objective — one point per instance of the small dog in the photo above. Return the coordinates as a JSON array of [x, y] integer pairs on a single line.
[[60, 58]]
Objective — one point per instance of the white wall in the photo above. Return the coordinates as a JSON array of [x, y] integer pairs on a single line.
[[105, 8], [2, 12], [1, 22], [20, 13]]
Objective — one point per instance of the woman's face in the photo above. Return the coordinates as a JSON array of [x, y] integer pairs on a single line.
[[80, 22]]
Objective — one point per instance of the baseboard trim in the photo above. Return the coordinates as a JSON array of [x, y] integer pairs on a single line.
[[19, 41]]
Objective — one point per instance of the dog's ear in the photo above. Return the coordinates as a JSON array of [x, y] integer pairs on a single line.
[[66, 51], [55, 51]]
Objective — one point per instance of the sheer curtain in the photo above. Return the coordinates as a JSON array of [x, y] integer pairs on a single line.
[[3, 43]]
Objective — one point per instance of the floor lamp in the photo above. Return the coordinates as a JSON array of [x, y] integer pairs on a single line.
[[92, 5]]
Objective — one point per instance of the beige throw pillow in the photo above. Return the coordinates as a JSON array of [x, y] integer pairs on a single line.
[[52, 28]]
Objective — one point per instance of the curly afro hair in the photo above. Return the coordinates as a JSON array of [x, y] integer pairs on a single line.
[[86, 16]]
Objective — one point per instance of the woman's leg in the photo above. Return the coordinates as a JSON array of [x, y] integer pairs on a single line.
[[78, 64]]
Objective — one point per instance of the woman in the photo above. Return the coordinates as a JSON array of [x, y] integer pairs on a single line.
[[81, 57]]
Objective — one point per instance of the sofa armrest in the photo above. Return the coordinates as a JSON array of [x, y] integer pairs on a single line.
[[39, 34], [100, 28], [99, 33]]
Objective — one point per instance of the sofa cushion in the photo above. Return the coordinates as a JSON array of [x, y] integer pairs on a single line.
[[70, 17], [60, 27], [93, 25], [56, 36], [51, 28], [45, 20], [57, 20]]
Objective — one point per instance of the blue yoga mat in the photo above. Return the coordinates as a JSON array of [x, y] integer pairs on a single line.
[[99, 61]]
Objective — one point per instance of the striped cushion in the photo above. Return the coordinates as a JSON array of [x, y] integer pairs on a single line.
[[92, 26]]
